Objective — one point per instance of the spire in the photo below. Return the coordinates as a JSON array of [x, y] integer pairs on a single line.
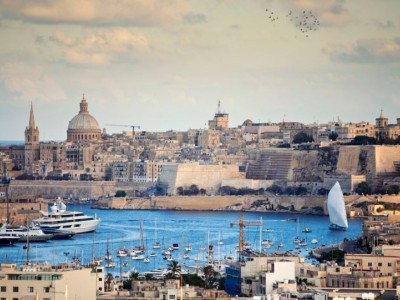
[[381, 116], [31, 118], [219, 106]]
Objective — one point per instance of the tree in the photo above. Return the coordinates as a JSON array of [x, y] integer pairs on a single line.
[[179, 190], [335, 255], [363, 188], [127, 284], [203, 191], [120, 194], [174, 269], [109, 280], [323, 191], [208, 274], [363, 140], [393, 190], [275, 189], [193, 280], [302, 137], [333, 136], [193, 190]]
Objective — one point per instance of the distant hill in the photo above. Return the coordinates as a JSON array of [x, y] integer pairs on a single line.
[[8, 143]]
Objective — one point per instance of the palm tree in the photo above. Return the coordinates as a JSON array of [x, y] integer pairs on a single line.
[[109, 281], [209, 274], [174, 269], [133, 275]]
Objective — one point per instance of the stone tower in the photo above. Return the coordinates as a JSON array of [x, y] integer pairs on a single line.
[[220, 121], [381, 127], [32, 147], [381, 122]]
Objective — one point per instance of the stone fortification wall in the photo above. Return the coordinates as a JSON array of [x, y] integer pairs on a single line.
[[384, 158], [348, 160], [74, 189], [314, 165], [208, 177], [305, 166], [247, 183], [316, 205]]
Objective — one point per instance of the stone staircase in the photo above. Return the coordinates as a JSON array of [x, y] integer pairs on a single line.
[[272, 165]]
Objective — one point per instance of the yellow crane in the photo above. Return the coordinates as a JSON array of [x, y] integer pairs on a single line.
[[242, 224]]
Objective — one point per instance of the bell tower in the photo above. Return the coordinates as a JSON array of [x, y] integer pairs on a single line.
[[31, 146]]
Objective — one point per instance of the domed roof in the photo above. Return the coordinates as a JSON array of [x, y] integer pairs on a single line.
[[83, 120], [247, 122]]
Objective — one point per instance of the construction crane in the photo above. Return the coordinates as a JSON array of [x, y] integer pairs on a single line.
[[132, 126], [242, 224]]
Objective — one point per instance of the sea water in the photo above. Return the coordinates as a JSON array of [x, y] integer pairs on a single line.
[[121, 228]]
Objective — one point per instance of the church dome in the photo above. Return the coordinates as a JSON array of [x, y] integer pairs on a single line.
[[83, 127], [83, 121]]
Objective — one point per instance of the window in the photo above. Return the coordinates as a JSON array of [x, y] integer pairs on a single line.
[[30, 289], [3, 289], [46, 289], [370, 264], [171, 296], [380, 264], [389, 264], [15, 289]]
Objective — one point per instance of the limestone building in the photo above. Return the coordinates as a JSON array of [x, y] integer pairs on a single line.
[[83, 127], [50, 282], [220, 121]]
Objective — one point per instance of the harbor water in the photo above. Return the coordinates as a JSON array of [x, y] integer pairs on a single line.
[[121, 228]]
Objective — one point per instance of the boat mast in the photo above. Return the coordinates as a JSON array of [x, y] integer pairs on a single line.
[[208, 247], [27, 241], [141, 235], [260, 233]]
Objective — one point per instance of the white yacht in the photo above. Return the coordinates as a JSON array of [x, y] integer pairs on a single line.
[[60, 218], [33, 233]]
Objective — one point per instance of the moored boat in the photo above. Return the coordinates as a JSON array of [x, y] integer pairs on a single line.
[[7, 240], [57, 234], [60, 218], [32, 233]]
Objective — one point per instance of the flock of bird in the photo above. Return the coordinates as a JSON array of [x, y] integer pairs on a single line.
[[306, 22]]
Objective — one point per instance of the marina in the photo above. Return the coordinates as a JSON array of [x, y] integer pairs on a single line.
[[124, 229]]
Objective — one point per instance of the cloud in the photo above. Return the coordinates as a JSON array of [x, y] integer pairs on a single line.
[[30, 83], [192, 18], [101, 47], [383, 25], [100, 12], [328, 12], [367, 51]]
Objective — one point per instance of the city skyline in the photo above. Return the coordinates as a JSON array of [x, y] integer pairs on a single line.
[[165, 65]]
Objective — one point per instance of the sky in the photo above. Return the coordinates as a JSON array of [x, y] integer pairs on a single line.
[[164, 65]]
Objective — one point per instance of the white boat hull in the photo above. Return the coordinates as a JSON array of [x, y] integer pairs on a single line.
[[75, 227]]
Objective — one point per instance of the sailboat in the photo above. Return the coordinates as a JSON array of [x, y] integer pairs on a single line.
[[337, 209], [157, 244]]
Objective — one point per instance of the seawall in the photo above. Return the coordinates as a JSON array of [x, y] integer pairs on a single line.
[[71, 189], [312, 204]]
